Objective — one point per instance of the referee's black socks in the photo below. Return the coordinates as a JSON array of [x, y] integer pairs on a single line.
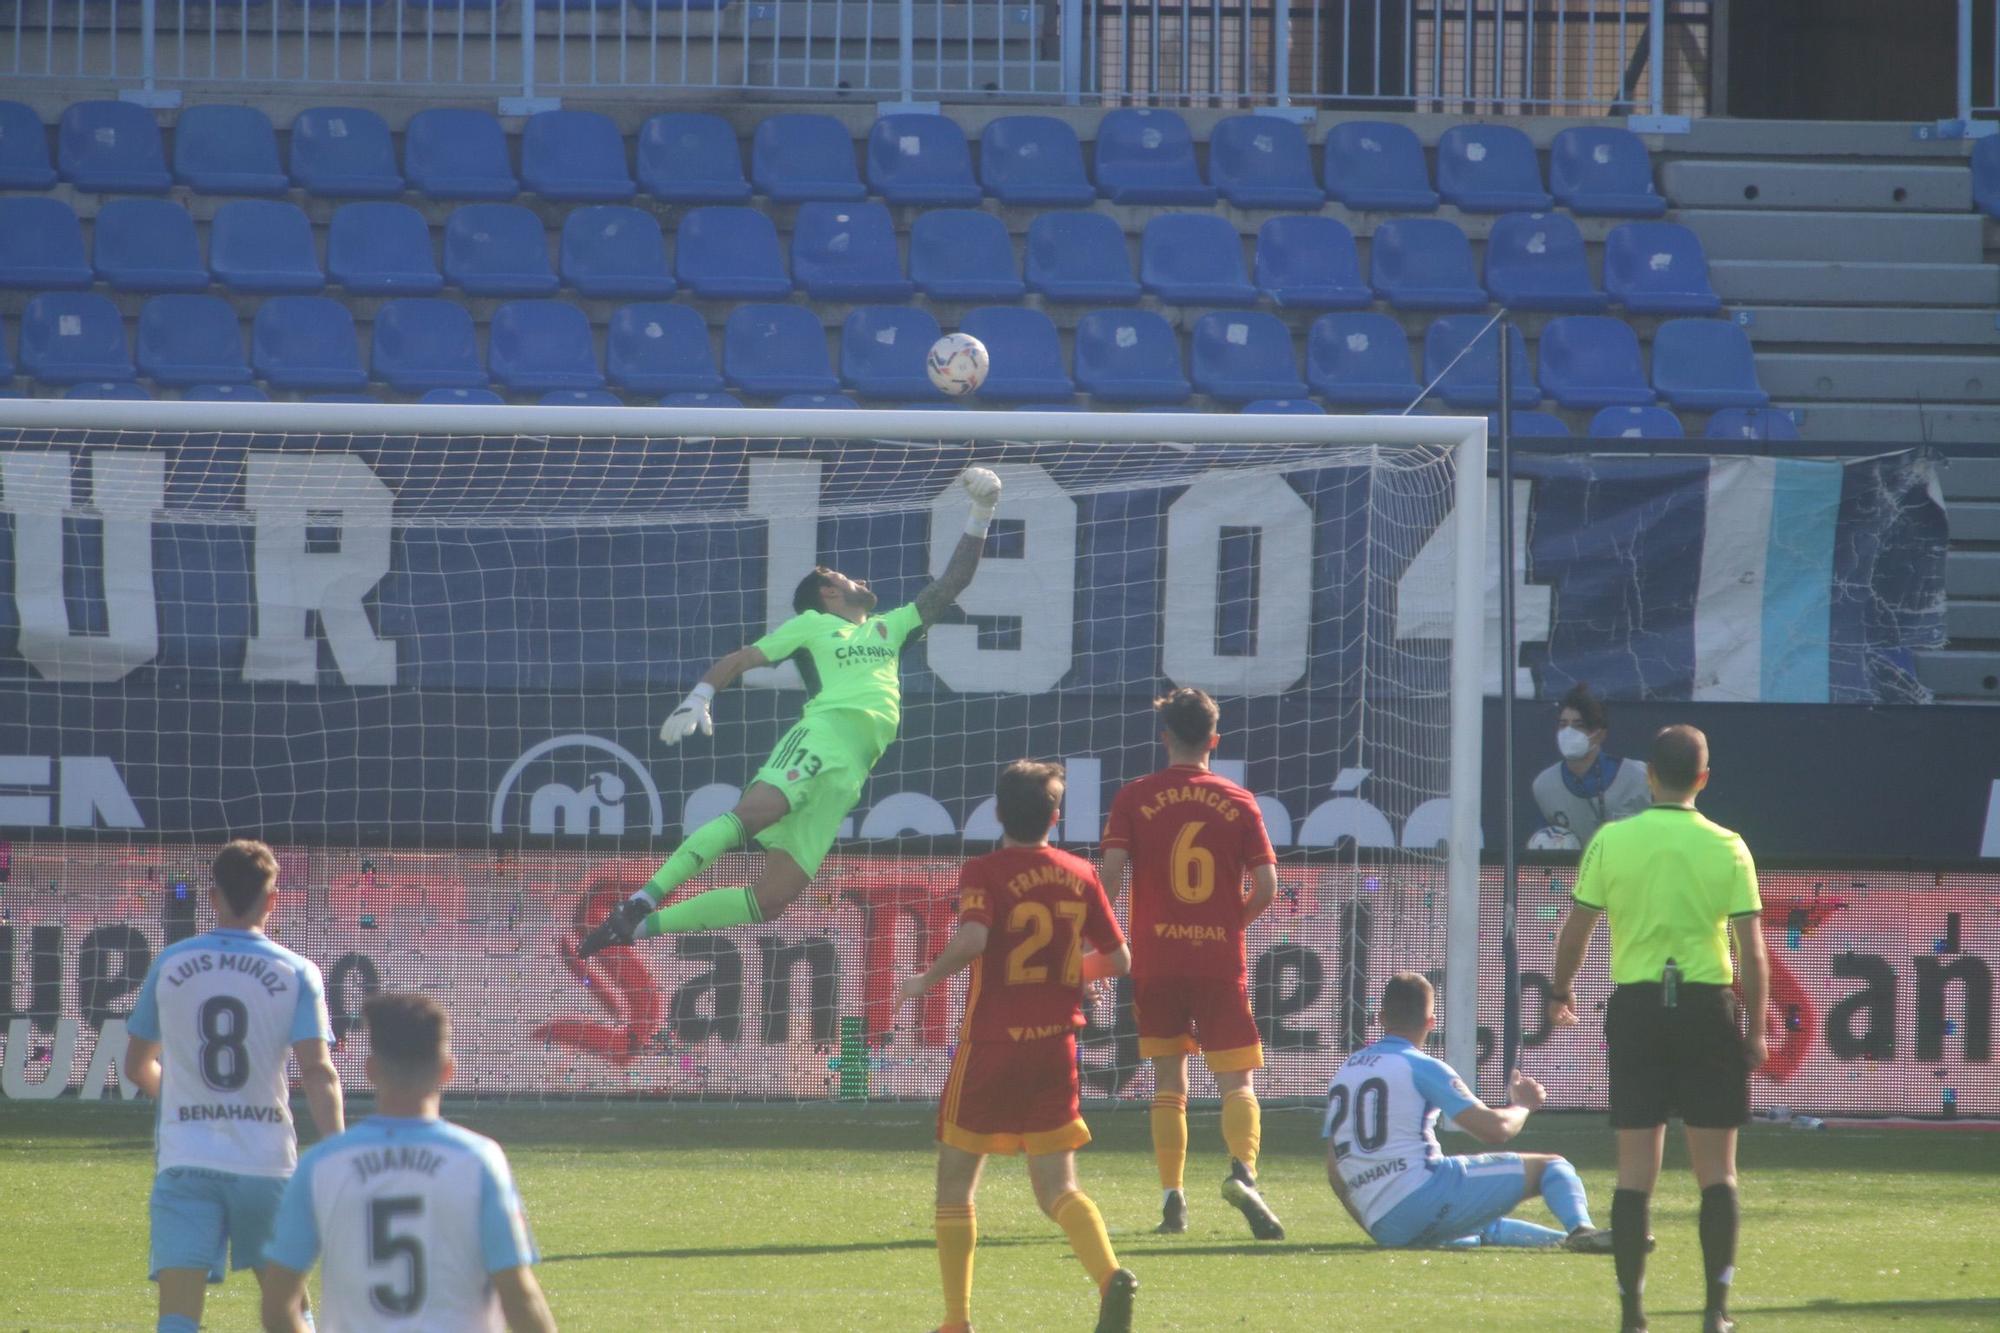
[[1718, 1243], [1630, 1225]]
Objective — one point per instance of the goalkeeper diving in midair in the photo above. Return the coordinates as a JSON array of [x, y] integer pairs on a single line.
[[851, 660]]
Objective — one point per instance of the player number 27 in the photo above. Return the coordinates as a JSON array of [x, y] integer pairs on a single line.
[[1040, 927], [386, 1247], [1371, 1101]]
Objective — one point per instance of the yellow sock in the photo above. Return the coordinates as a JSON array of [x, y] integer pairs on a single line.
[[1242, 1126], [957, 1235], [1084, 1225], [1170, 1137]]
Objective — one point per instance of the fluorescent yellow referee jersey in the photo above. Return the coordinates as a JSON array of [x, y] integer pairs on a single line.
[[1669, 878]]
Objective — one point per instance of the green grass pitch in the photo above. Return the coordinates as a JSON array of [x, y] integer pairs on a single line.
[[819, 1217]]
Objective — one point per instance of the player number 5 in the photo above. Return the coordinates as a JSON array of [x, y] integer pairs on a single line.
[[385, 1247], [1040, 927], [1194, 867]]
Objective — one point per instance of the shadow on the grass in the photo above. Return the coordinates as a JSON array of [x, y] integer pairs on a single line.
[[1970, 1305]]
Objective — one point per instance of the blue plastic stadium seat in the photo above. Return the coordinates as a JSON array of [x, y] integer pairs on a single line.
[[1194, 259], [1377, 166], [1474, 381], [70, 337], [122, 390], [797, 156], [654, 347], [41, 245], [306, 342], [580, 398], [1147, 157], [1290, 407], [1531, 425], [1603, 171], [1079, 257], [225, 149], [1651, 422], [1706, 363], [463, 397], [458, 153], [823, 401], [6, 363], [148, 245], [266, 245], [423, 342], [577, 155], [341, 398], [191, 340], [1024, 353], [687, 157], [1753, 423], [111, 147], [1536, 261], [1658, 268], [379, 248], [1263, 162], [1361, 360], [1129, 356], [699, 398], [1240, 355], [882, 349], [24, 149], [963, 254], [1591, 361], [921, 159], [776, 349], [1305, 262], [497, 250], [541, 345], [224, 393], [847, 252], [1986, 176], [730, 253], [1490, 169], [1424, 264], [1033, 160], [614, 250], [344, 152]]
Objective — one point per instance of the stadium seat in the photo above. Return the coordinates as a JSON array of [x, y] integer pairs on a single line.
[[24, 149], [224, 393], [1147, 157], [1591, 361], [463, 397], [847, 252], [379, 248], [341, 398], [1129, 356], [1263, 162], [41, 245], [697, 398], [1361, 360], [882, 349], [1306, 262], [1194, 259], [344, 152], [687, 157], [423, 342], [1024, 352], [539, 345], [111, 147], [1705, 363], [6, 362], [187, 340], [1531, 425], [306, 342], [1290, 407], [1658, 268], [148, 245], [225, 149], [1635, 423], [1753, 423], [820, 401], [1536, 261], [1490, 169], [580, 398], [497, 250], [963, 254], [921, 159], [776, 349], [1378, 166], [266, 245], [1079, 257], [70, 337], [1473, 379], [458, 153], [124, 390], [730, 253], [1424, 264], [798, 156], [575, 155], [1239, 355], [1033, 160], [1603, 171], [654, 347], [1986, 175], [614, 250]]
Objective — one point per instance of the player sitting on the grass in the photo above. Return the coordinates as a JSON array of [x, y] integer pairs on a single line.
[[1190, 836], [1024, 913], [418, 1218], [1385, 1165], [209, 1033], [852, 663]]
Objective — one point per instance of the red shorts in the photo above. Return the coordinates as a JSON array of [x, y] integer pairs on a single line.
[[1008, 1097], [1174, 1012]]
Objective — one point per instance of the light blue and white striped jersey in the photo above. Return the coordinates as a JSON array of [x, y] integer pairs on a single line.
[[412, 1216], [1382, 1113], [226, 1007]]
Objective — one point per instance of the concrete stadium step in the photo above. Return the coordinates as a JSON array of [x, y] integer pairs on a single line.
[[1972, 622], [1898, 423], [1851, 282], [1869, 326], [1910, 238], [1972, 574], [1858, 378], [1974, 520], [1971, 479], [1971, 675], [1903, 187]]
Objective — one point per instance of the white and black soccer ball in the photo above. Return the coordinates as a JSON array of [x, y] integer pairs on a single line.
[[1553, 839], [957, 364]]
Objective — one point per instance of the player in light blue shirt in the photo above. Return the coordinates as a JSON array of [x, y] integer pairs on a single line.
[[417, 1220]]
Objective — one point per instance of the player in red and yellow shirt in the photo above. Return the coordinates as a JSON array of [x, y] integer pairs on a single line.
[[1025, 913], [1190, 836]]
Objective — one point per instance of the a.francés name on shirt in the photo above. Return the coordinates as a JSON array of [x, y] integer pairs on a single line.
[[272, 978], [375, 1161], [1215, 800]]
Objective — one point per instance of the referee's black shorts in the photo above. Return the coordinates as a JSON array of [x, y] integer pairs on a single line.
[[1687, 1060]]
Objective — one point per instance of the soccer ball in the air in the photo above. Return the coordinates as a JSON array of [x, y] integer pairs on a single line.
[[957, 364]]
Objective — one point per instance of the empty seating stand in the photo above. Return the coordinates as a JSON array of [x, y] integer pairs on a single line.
[[344, 152], [730, 253], [497, 250], [921, 159], [458, 153], [148, 245], [1658, 268], [266, 245], [1986, 176], [1592, 361], [800, 157], [1238, 356], [776, 349], [1194, 259], [380, 248], [1462, 357], [654, 348], [188, 340], [1753, 423], [424, 343], [1361, 359], [614, 250], [221, 149], [463, 397], [1025, 352], [963, 254], [1129, 356], [847, 252], [1705, 363], [1033, 160], [1536, 261], [1490, 169], [1378, 166], [111, 147], [41, 245], [542, 345], [1531, 425], [1263, 162], [72, 337], [1310, 263], [306, 342], [1635, 423], [1603, 170], [691, 158], [1424, 264], [882, 351], [1078, 257], [24, 149], [1147, 157], [575, 155]]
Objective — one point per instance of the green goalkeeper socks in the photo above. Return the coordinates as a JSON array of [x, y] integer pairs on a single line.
[[718, 837], [715, 910]]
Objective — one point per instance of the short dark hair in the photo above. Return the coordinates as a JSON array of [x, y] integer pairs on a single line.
[[1405, 999], [1027, 796], [1189, 714], [1679, 757], [244, 870], [408, 1034], [1587, 705], [806, 597]]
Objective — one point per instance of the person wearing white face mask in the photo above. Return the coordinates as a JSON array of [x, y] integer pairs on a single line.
[[1588, 788]]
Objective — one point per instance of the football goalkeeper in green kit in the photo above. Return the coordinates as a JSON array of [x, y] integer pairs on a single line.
[[851, 660]]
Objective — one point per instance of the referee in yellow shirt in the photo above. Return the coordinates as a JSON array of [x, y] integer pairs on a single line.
[[1674, 885]]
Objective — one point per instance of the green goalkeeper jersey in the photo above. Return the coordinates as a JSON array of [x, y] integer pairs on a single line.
[[854, 669]]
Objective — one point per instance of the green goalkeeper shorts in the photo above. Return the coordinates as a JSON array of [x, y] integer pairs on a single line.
[[819, 765]]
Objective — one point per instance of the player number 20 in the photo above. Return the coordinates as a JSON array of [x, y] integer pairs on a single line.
[[1193, 867], [1371, 1115], [1035, 921]]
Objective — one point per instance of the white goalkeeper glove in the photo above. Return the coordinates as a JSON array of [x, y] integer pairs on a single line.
[[983, 485], [693, 713]]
